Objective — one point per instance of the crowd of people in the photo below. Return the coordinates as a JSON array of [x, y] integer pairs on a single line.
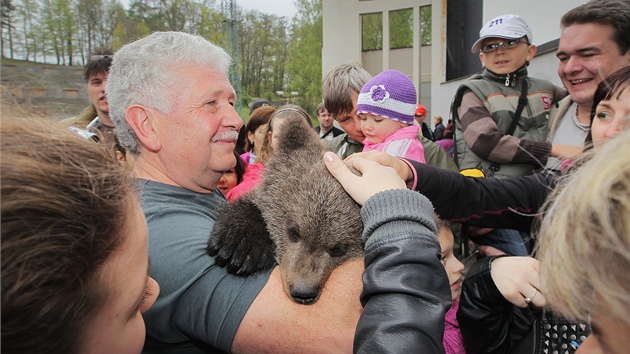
[[105, 232]]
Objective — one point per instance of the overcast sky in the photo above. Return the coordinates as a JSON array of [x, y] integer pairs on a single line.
[[275, 7]]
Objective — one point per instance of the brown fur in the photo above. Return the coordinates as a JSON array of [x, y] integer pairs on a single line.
[[305, 219]]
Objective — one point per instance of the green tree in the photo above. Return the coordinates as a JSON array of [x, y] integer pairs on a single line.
[[97, 21], [27, 16], [210, 24], [263, 42], [401, 28], [372, 31], [304, 68], [128, 30], [58, 20], [88, 17], [147, 12], [425, 25], [6, 26]]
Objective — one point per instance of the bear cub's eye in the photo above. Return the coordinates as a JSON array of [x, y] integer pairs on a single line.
[[339, 250], [294, 233]]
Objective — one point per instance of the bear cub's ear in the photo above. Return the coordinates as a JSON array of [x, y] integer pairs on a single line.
[[240, 240]]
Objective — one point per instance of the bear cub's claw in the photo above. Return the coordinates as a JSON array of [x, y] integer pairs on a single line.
[[240, 240]]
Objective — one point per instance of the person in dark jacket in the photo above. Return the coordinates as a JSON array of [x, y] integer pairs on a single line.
[[405, 288], [438, 131]]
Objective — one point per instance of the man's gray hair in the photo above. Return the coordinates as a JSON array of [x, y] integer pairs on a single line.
[[340, 83], [143, 73]]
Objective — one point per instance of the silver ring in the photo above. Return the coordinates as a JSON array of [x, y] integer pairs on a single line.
[[529, 299]]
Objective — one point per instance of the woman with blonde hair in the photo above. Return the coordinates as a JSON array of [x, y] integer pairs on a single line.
[[584, 243]]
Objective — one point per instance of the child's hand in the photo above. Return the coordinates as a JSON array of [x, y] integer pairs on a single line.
[[385, 159], [374, 177]]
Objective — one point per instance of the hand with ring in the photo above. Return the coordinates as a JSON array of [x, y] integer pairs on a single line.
[[518, 280], [529, 300]]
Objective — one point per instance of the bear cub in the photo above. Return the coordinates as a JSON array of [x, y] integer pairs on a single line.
[[299, 218]]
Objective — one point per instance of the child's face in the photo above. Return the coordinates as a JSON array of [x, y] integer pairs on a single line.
[[376, 128], [228, 181], [258, 137], [506, 61], [452, 265]]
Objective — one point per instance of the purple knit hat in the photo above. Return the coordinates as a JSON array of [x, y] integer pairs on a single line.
[[389, 94]]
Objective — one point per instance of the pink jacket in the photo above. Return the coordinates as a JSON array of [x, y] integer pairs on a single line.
[[247, 157], [403, 143], [251, 178], [453, 342]]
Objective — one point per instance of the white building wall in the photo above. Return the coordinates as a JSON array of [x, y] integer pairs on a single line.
[[342, 41]]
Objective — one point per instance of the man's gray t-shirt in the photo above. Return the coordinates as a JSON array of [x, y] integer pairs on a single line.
[[569, 132], [200, 305]]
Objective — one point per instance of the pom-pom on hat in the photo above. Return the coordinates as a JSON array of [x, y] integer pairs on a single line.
[[390, 94], [504, 26]]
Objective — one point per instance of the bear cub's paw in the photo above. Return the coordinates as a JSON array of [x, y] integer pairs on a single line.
[[240, 240]]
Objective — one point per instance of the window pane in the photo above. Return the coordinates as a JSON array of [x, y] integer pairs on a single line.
[[425, 25], [372, 31], [401, 28]]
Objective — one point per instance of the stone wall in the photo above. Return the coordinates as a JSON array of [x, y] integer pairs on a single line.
[[53, 90]]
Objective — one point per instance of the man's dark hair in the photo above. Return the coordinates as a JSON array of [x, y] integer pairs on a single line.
[[615, 13], [99, 62]]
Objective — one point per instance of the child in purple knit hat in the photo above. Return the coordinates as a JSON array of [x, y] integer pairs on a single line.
[[386, 105]]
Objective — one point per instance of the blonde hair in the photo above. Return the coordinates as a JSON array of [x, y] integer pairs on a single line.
[[584, 240]]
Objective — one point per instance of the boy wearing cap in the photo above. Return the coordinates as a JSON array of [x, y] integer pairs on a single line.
[[493, 134], [501, 116], [386, 106]]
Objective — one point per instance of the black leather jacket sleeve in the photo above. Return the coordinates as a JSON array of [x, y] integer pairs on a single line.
[[511, 203], [406, 291], [489, 323]]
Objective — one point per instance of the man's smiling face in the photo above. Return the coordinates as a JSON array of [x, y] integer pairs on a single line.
[[588, 54]]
